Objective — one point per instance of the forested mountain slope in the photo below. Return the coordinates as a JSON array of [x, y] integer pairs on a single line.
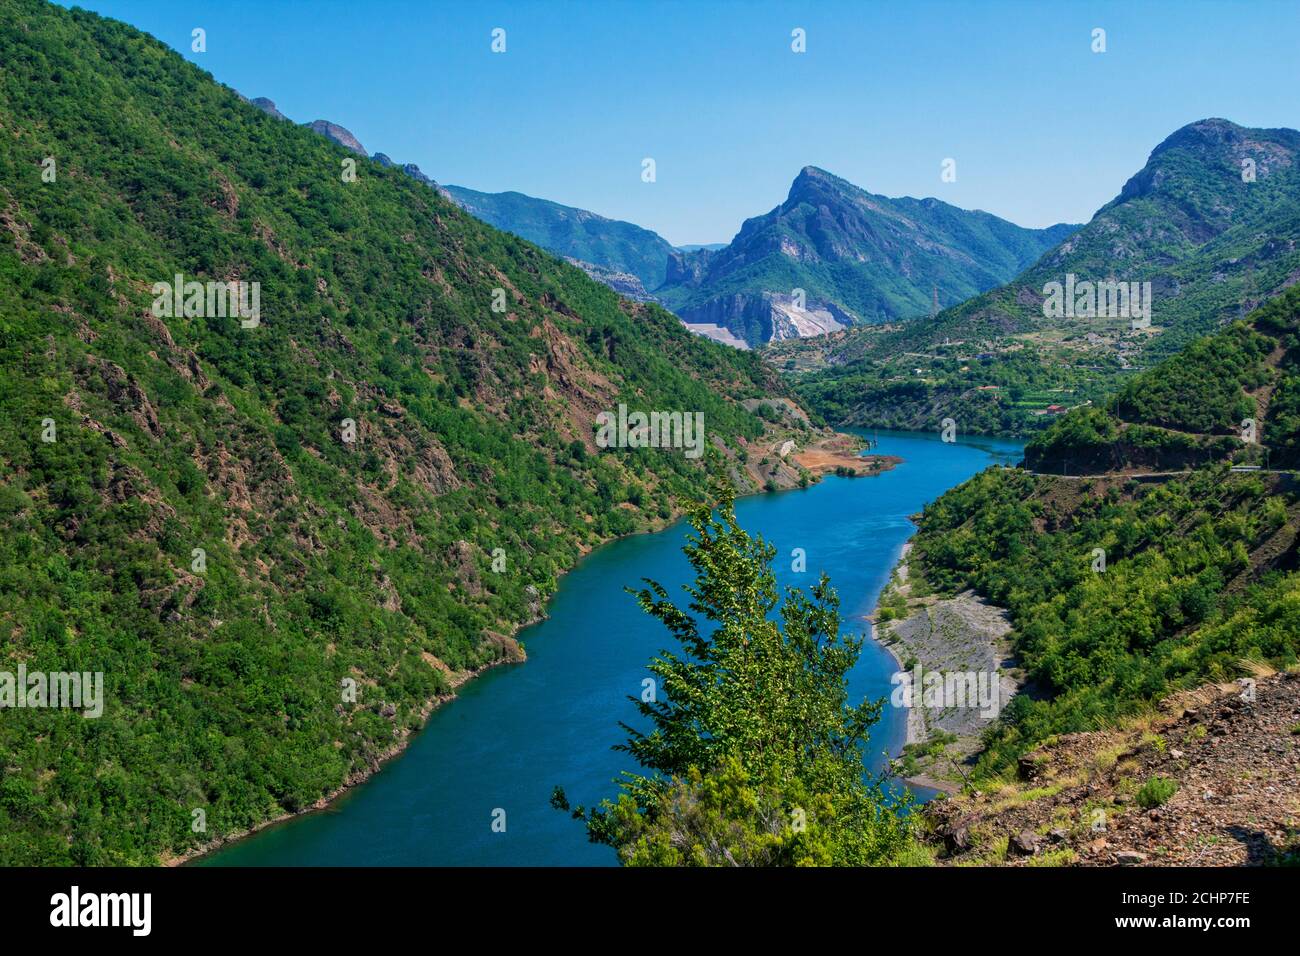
[[1132, 583], [576, 233], [368, 483], [625, 257], [1234, 395]]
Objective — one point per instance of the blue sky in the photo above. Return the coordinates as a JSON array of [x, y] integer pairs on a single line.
[[1042, 129]]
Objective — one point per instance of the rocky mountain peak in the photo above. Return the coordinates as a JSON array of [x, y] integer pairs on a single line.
[[338, 134], [410, 169], [1209, 148], [812, 184], [1206, 133], [267, 106], [857, 256]]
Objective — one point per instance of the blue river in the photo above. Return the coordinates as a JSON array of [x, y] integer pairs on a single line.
[[515, 733]]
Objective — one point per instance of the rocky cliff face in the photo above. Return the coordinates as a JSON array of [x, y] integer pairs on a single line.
[[768, 317], [268, 106], [410, 169], [337, 134], [624, 283], [687, 268]]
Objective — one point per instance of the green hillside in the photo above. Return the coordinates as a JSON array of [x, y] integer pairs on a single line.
[[1200, 570], [1192, 408], [180, 505]]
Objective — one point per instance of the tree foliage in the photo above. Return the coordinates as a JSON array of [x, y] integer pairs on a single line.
[[753, 754], [1184, 594]]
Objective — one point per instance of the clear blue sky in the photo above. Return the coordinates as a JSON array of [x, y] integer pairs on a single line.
[[1043, 130]]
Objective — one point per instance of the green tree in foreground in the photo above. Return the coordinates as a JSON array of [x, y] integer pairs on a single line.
[[754, 756]]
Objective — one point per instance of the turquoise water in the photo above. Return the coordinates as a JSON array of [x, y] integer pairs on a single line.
[[518, 731]]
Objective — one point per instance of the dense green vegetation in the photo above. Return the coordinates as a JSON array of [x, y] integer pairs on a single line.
[[1200, 571], [753, 755], [1091, 440], [1193, 407], [1198, 575], [985, 394], [391, 560], [1201, 390]]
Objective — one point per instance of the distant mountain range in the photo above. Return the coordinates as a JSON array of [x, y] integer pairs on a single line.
[[609, 244], [1212, 222], [831, 256], [856, 257]]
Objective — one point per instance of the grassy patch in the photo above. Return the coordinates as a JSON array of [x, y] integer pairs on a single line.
[[1156, 792]]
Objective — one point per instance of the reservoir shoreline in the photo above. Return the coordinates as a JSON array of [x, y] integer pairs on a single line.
[[948, 636], [555, 721], [819, 460], [356, 778]]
